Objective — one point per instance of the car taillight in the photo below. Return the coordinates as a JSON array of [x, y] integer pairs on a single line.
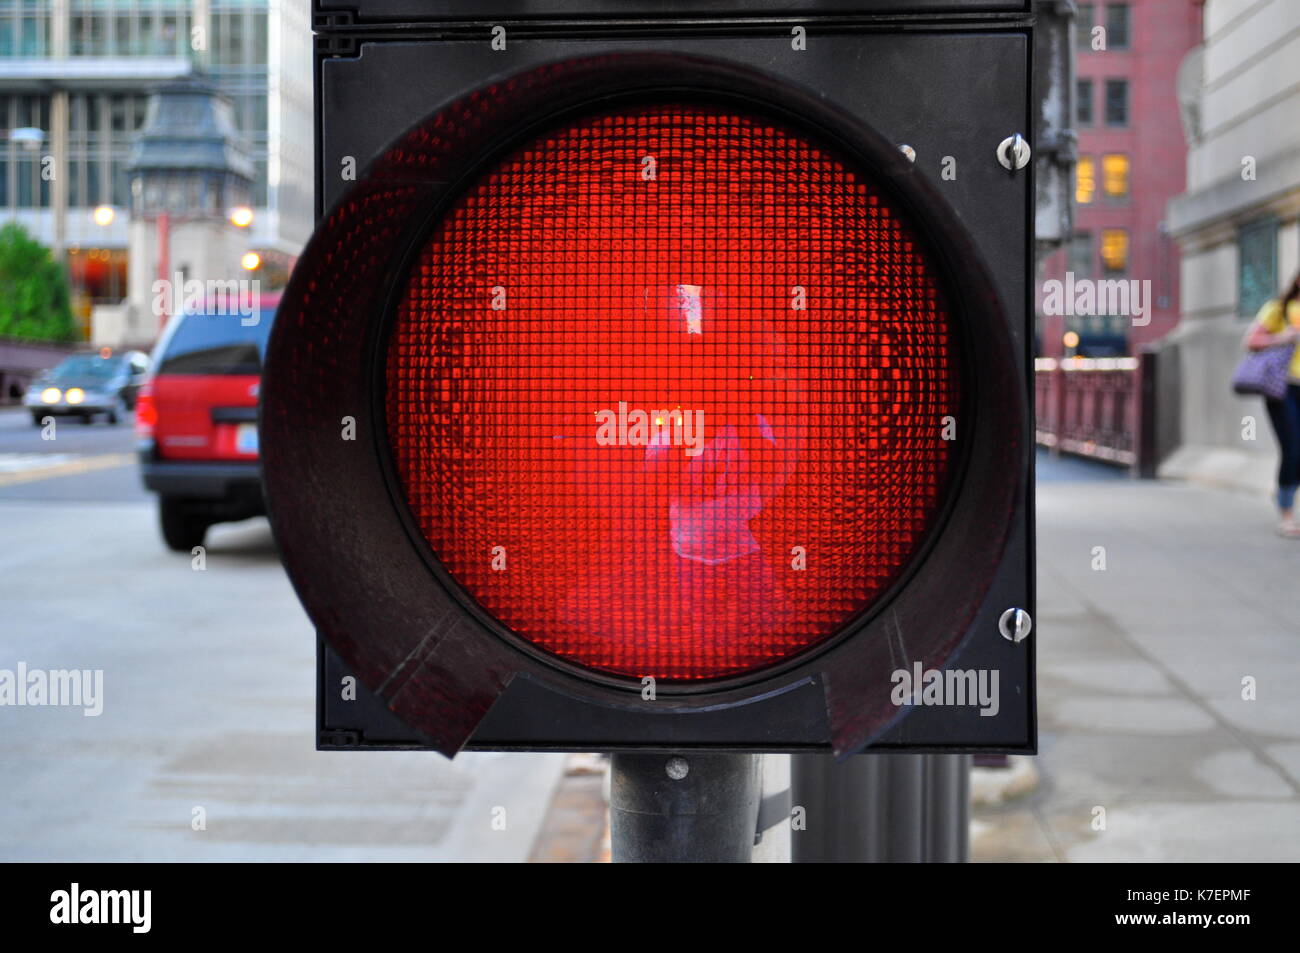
[[667, 389], [146, 412]]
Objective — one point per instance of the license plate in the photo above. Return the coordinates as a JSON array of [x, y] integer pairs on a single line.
[[246, 438]]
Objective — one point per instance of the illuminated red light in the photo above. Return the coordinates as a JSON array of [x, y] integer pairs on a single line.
[[668, 392], [146, 412]]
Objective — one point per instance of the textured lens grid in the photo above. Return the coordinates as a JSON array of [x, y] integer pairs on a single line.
[[673, 259]]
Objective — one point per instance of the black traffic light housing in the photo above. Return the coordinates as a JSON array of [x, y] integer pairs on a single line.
[[400, 663]]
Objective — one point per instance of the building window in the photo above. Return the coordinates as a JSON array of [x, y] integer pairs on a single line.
[[1085, 180], [24, 29], [117, 112], [91, 30], [1083, 102], [1079, 255], [1114, 176], [75, 185], [1256, 266], [33, 110], [1114, 251], [1083, 25], [1117, 102], [146, 34], [1117, 26], [260, 38], [228, 33], [93, 191], [169, 34], [30, 189], [33, 190], [122, 36]]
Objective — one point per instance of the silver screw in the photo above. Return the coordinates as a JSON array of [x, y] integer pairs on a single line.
[[1015, 625], [677, 768], [1013, 152], [908, 151]]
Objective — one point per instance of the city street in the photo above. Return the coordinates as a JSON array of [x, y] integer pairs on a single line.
[[92, 461], [208, 694], [690, 391]]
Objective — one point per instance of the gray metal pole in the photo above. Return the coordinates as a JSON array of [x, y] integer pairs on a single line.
[[683, 808], [904, 801], [948, 804], [881, 808]]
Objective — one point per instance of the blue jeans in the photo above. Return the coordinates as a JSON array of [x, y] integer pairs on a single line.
[[1285, 417]]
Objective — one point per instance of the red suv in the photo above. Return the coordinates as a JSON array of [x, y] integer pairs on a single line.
[[196, 417]]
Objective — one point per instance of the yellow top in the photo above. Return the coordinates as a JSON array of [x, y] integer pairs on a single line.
[[1270, 319]]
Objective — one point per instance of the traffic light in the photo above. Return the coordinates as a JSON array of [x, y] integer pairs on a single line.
[[662, 383]]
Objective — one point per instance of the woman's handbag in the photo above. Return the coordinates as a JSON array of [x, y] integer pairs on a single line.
[[1264, 372]]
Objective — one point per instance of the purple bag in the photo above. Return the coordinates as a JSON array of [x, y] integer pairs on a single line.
[[1265, 372]]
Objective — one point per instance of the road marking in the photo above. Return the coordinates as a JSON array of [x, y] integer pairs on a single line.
[[14, 462], [29, 467]]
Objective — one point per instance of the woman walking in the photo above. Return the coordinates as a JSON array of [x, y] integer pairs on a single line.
[[1278, 324]]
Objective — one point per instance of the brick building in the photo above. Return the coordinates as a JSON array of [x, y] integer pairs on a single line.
[[1132, 156]]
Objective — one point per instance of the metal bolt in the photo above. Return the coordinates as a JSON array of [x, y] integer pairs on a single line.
[[677, 768], [1013, 152], [908, 151], [1015, 625]]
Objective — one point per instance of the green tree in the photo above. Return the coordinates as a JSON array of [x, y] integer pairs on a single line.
[[34, 298]]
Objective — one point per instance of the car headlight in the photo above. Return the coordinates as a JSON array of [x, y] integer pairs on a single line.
[[51, 395], [74, 395]]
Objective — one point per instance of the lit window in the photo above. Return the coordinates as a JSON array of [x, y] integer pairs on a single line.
[[1114, 176], [1085, 180], [1114, 250]]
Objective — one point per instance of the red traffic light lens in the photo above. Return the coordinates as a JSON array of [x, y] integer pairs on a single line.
[[671, 392]]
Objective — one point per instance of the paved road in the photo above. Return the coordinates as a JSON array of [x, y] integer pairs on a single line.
[[208, 687], [1141, 667], [92, 462], [208, 694]]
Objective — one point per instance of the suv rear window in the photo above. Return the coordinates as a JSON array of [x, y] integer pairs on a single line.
[[216, 344]]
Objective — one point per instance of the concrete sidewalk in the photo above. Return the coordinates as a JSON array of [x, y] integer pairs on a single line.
[[208, 714], [1151, 746]]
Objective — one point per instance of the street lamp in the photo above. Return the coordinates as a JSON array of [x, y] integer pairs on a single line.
[[103, 215], [29, 137]]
